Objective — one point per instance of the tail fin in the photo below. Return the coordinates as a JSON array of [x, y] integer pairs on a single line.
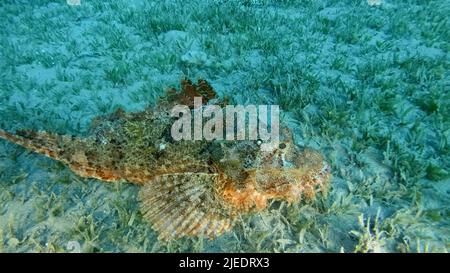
[[39, 142], [69, 150]]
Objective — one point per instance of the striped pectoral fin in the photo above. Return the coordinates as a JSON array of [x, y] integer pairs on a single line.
[[185, 204]]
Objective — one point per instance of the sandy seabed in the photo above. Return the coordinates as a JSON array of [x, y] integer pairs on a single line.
[[368, 85]]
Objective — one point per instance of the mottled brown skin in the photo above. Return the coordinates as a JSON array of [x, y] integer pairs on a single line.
[[286, 173], [190, 188]]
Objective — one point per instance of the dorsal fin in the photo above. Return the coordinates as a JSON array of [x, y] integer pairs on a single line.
[[188, 91]]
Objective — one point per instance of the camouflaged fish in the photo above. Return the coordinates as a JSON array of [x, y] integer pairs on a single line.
[[189, 188]]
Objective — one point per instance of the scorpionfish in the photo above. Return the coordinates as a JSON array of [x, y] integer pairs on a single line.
[[188, 188]]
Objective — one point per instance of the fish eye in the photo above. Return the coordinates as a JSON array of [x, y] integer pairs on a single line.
[[282, 146], [259, 142]]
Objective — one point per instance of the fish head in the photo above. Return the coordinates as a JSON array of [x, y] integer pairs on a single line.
[[289, 171]]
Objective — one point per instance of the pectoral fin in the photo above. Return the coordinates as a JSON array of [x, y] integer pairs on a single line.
[[185, 204]]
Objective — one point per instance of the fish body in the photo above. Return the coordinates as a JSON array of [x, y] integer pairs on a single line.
[[189, 188]]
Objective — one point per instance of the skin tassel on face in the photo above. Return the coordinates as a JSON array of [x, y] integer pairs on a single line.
[[188, 188]]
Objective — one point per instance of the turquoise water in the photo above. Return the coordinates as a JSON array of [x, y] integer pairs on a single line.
[[365, 82]]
